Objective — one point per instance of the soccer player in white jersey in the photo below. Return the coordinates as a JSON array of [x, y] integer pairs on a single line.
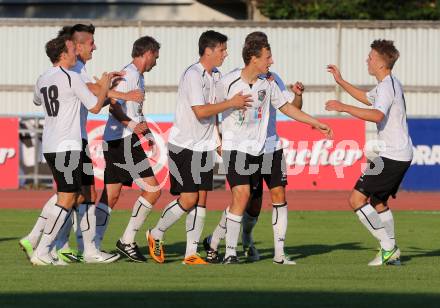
[[62, 92], [244, 132], [192, 144], [274, 174], [125, 159], [385, 173], [83, 38]]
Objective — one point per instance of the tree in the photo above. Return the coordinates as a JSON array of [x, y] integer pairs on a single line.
[[351, 9]]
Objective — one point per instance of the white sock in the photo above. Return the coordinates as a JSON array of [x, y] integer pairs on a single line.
[[371, 220], [388, 222], [170, 215], [248, 225], [37, 230], [141, 209], [76, 218], [233, 224], [279, 225], [87, 224], [195, 221], [56, 217], [102, 214], [62, 240], [219, 232]]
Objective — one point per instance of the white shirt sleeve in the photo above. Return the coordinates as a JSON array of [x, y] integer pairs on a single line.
[[195, 88], [277, 98], [371, 95], [37, 100], [384, 98], [82, 91], [289, 96], [84, 76]]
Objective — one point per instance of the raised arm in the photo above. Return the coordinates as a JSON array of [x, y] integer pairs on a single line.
[[355, 92], [298, 90]]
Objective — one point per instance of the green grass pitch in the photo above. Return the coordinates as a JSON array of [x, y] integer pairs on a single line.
[[332, 250]]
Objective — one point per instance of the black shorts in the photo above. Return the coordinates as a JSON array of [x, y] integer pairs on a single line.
[[66, 169], [242, 168], [379, 187], [125, 161], [273, 172], [87, 176], [190, 171]]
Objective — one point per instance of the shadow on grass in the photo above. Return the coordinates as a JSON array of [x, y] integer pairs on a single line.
[[7, 239], [216, 299], [415, 252], [304, 251], [176, 251]]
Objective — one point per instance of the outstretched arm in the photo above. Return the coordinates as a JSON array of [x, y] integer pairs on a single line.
[[238, 101], [294, 113], [371, 115], [133, 96], [355, 92]]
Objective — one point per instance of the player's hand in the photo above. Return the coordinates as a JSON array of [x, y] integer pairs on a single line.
[[135, 96], [141, 128], [104, 81], [240, 101], [117, 74], [297, 88], [334, 70], [219, 150], [334, 105], [325, 129]]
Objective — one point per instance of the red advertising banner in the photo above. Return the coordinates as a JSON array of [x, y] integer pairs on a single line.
[[313, 163], [9, 157], [158, 155]]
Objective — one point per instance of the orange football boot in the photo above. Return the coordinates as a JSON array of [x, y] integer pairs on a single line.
[[156, 248], [194, 260]]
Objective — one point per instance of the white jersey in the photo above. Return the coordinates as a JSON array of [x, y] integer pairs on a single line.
[[196, 88], [80, 68], [132, 80], [273, 142], [246, 130], [388, 98], [61, 92]]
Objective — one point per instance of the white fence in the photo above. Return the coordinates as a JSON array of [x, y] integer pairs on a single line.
[[301, 50]]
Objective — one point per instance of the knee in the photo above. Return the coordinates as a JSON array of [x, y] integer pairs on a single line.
[[278, 195], [355, 201], [80, 199], [188, 200], [112, 200], [152, 196], [241, 195]]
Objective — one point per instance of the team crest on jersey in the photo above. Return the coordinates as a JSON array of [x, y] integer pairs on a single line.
[[261, 95]]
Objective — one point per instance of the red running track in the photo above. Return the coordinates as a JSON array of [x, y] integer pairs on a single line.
[[219, 199]]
